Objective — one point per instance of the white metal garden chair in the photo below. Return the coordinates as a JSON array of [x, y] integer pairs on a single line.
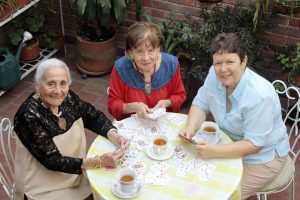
[[7, 140], [287, 175]]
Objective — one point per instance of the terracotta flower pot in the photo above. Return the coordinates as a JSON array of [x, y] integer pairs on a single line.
[[7, 11], [21, 3], [31, 51], [95, 58], [58, 43]]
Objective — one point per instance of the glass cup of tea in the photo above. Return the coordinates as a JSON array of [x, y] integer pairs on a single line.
[[127, 180], [210, 132], [160, 143]]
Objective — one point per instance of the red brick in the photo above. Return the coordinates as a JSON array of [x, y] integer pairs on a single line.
[[276, 38], [165, 5], [294, 32], [160, 13], [88, 97], [232, 2], [188, 2], [282, 19], [295, 22], [189, 10], [147, 2], [280, 29], [293, 41]]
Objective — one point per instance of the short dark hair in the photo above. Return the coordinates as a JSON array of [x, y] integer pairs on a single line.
[[142, 32], [230, 43]]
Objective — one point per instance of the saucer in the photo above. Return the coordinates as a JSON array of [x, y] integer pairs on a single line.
[[199, 137], [169, 153], [126, 195]]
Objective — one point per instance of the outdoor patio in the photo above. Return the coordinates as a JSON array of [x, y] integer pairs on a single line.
[[93, 90]]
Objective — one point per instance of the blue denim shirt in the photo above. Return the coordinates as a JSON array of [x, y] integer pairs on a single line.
[[255, 114]]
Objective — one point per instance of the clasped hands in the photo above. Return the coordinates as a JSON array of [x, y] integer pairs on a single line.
[[204, 148]]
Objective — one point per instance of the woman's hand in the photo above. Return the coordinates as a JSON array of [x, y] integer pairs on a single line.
[[142, 110], [187, 133], [111, 159], [206, 150], [118, 140], [163, 104]]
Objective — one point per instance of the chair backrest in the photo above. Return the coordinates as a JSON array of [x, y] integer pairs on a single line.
[[292, 107], [292, 114], [7, 143]]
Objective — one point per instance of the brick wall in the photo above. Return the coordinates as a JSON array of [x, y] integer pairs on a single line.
[[284, 34]]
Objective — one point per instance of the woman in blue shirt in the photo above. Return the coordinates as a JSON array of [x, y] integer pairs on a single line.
[[246, 106]]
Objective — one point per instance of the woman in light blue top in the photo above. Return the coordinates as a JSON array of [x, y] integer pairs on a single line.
[[247, 107]]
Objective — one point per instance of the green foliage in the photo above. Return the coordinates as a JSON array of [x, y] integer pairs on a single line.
[[49, 38], [35, 20], [291, 62], [100, 12], [237, 20], [33, 23], [175, 33], [191, 41], [279, 87]]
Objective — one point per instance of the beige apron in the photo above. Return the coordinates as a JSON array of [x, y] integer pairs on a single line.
[[39, 183]]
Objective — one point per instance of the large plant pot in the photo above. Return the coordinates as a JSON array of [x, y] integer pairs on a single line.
[[95, 58]]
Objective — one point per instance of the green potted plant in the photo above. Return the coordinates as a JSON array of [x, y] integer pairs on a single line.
[[291, 64], [51, 39], [33, 23], [95, 39]]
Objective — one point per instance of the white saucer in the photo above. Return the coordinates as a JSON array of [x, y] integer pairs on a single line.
[[169, 153], [124, 195], [199, 137]]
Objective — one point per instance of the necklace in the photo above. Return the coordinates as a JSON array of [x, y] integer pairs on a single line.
[[61, 121], [147, 86]]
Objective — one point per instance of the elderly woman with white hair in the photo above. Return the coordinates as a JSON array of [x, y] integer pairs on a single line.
[[51, 144]]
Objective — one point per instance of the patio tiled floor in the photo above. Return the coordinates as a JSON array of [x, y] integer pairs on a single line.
[[93, 90]]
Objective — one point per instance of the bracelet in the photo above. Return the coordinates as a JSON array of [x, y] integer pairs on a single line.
[[98, 163]]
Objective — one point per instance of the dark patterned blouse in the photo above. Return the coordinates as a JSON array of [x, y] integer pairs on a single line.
[[35, 126]]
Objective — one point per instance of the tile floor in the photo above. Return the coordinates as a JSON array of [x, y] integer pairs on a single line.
[[93, 90]]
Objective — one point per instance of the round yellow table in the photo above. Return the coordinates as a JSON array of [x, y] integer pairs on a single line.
[[183, 176]]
